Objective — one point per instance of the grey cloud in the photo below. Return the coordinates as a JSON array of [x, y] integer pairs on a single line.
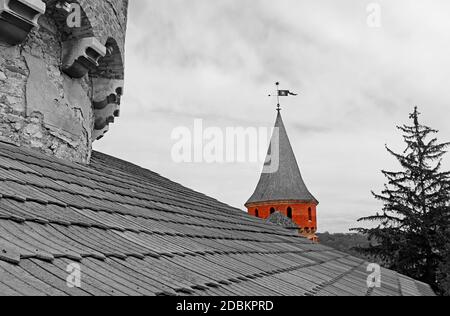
[[218, 60]]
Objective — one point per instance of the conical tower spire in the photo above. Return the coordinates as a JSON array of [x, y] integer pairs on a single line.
[[285, 183], [281, 187]]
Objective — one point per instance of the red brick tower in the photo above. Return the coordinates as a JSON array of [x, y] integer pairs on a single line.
[[281, 187]]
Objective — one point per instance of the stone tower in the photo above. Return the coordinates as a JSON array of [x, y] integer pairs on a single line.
[[282, 189], [61, 73]]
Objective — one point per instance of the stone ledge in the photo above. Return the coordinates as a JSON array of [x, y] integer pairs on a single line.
[[98, 134], [106, 102], [81, 56], [18, 18], [106, 115]]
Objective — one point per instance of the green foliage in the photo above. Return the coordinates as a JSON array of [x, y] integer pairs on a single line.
[[411, 235]]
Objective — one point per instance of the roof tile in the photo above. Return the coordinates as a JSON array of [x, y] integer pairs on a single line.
[[134, 232]]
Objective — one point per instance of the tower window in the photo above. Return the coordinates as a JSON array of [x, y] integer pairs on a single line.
[[289, 212], [257, 213], [310, 217], [272, 210]]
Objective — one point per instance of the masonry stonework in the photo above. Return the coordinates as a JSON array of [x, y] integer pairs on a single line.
[[304, 214], [44, 105]]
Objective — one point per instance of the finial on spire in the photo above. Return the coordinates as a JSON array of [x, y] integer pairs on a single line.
[[278, 97], [281, 93]]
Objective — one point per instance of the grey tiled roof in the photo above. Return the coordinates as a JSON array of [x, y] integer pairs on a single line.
[[134, 232], [286, 183]]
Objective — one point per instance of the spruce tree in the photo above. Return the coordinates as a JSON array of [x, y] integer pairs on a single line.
[[412, 229], [444, 274]]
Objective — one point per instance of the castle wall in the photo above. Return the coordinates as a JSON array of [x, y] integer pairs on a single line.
[[56, 108], [40, 107]]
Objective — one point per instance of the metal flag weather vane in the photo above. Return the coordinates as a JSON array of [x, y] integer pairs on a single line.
[[281, 93]]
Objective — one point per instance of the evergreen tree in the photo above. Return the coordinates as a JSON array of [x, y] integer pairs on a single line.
[[444, 274], [412, 230]]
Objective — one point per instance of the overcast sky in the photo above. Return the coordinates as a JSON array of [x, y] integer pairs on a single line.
[[218, 59]]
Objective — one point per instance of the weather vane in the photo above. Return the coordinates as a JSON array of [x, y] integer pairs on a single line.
[[281, 93]]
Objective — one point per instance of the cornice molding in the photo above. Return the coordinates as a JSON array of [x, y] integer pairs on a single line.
[[18, 18]]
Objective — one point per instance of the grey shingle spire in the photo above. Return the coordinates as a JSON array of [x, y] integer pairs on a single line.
[[286, 183]]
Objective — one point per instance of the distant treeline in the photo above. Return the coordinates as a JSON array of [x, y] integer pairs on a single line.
[[347, 243]]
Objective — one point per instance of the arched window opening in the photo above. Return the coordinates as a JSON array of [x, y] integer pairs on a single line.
[[272, 210], [310, 217], [257, 213], [289, 212], [111, 66]]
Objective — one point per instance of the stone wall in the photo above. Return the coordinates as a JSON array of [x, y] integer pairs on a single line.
[[41, 105]]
